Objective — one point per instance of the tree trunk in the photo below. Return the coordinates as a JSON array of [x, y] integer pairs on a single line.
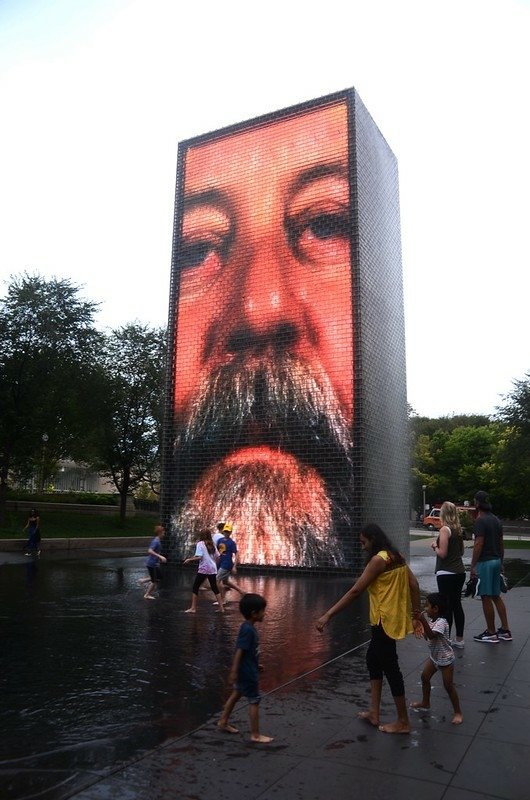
[[4, 472], [124, 491], [3, 500]]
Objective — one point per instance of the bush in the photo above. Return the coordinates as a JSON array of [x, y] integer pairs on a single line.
[[85, 498], [147, 505], [466, 523]]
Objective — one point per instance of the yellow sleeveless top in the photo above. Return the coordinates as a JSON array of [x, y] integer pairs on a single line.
[[390, 600]]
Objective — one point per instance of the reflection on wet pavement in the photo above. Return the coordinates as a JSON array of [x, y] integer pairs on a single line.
[[93, 676]]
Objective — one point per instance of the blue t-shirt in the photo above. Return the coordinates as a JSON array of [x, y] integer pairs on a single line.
[[248, 642], [153, 561], [227, 550]]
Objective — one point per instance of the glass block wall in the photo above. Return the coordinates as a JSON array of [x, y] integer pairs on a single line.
[[286, 405]]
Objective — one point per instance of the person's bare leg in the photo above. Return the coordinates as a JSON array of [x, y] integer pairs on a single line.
[[489, 614], [221, 587], [220, 602], [402, 724], [193, 608], [501, 611], [233, 585], [227, 710], [372, 716], [214, 586], [149, 589], [255, 735], [447, 675], [428, 671]]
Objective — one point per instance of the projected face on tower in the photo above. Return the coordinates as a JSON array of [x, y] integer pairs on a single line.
[[264, 339]]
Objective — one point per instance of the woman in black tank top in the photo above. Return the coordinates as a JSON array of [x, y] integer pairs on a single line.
[[450, 570]]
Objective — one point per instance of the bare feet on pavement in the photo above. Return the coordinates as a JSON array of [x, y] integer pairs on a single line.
[[227, 728], [370, 717], [395, 727]]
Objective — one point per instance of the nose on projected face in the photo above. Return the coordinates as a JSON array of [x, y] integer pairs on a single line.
[[265, 275]]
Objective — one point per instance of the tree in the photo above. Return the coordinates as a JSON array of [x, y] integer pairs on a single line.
[[516, 409], [47, 356], [513, 468], [449, 456], [128, 441]]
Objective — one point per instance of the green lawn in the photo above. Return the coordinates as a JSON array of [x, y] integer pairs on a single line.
[[516, 544], [72, 525], [509, 544]]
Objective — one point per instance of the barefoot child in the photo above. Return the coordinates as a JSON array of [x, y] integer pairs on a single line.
[[244, 672], [442, 657], [207, 555], [153, 561]]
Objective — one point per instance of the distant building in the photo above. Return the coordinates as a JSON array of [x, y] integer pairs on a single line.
[[70, 476], [73, 476]]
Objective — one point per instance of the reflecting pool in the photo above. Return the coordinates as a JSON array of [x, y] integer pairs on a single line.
[[91, 674]]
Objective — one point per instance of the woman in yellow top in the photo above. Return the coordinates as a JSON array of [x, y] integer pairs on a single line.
[[394, 612]]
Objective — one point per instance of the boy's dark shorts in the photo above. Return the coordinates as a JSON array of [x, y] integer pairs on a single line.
[[250, 690], [154, 573]]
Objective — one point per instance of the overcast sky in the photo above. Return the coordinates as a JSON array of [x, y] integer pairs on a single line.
[[96, 94]]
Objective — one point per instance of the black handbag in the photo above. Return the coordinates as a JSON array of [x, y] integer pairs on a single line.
[[472, 586]]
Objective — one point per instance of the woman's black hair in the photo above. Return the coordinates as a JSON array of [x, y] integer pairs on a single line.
[[379, 541]]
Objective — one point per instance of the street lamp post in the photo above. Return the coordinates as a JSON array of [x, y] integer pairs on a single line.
[[45, 438], [424, 489]]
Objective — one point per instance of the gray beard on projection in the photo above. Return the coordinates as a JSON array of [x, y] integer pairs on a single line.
[[285, 511]]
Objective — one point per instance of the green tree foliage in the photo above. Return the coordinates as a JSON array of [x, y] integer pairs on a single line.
[[47, 355], [451, 456], [513, 463], [455, 456], [127, 446]]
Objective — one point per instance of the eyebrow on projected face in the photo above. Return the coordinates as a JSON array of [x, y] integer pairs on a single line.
[[208, 230], [316, 223], [317, 218], [323, 170]]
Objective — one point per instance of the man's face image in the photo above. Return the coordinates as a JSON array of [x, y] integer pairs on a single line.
[[264, 340]]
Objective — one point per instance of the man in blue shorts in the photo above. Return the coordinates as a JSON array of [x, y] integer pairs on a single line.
[[486, 564]]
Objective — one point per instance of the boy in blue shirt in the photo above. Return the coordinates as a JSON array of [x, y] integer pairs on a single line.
[[153, 561], [227, 562], [245, 667]]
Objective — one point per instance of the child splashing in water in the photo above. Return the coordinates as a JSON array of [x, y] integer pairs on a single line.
[[245, 667], [442, 657]]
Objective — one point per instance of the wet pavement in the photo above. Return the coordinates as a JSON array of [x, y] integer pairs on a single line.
[[108, 696]]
